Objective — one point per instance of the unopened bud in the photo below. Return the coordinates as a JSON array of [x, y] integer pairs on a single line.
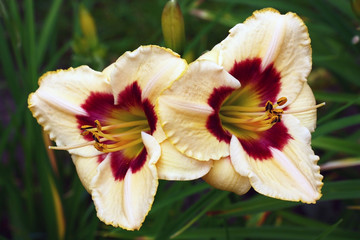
[[87, 25], [172, 23], [355, 4]]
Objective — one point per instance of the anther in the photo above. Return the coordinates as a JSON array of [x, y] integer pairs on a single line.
[[98, 125], [278, 111], [275, 119], [85, 127], [96, 138], [269, 106], [85, 132], [281, 101], [99, 146]]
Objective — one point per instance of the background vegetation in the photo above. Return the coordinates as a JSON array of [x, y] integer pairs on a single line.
[[41, 195]]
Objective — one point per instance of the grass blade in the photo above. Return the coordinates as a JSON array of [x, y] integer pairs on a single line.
[[48, 29]]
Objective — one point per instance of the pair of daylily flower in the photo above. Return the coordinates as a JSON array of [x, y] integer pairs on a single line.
[[239, 116]]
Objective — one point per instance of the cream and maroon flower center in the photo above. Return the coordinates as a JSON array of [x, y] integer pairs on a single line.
[[248, 121], [115, 129], [118, 136], [252, 113]]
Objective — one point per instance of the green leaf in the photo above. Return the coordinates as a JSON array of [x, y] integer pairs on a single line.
[[337, 124], [192, 214], [336, 144], [331, 190], [338, 97], [297, 219], [331, 229], [29, 44], [176, 194], [48, 29], [267, 232], [337, 111]]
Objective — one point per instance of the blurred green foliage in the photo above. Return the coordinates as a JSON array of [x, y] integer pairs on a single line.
[[43, 199]]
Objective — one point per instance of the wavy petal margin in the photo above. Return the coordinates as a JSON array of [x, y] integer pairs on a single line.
[[281, 41], [290, 174], [184, 109], [153, 68], [126, 203], [58, 100]]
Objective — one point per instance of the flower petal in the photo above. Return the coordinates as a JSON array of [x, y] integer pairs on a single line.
[[125, 203], [153, 68], [86, 168], [212, 55], [290, 174], [58, 101], [184, 109], [305, 99], [281, 42], [174, 165], [223, 176]]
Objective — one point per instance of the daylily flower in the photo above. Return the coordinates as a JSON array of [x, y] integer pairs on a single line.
[[259, 132], [107, 122]]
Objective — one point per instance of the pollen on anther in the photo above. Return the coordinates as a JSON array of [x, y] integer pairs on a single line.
[[281, 101], [278, 112], [268, 106], [84, 127], [276, 119], [98, 125], [96, 138]]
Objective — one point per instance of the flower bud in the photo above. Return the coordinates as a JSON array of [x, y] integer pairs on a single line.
[[87, 25], [172, 23], [355, 4]]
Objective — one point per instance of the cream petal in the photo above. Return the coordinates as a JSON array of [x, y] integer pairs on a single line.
[[126, 203], [290, 174], [281, 40], [58, 100], [108, 70], [305, 99], [183, 110], [212, 55], [174, 165], [153, 68], [224, 177], [86, 168]]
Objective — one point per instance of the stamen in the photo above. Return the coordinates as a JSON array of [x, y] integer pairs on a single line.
[[241, 108], [281, 101], [299, 110], [242, 120], [116, 147], [256, 119], [268, 106], [73, 146], [121, 125], [98, 125], [106, 140], [85, 127], [278, 111]]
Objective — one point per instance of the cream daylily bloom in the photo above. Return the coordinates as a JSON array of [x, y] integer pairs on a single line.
[[107, 122], [263, 125]]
